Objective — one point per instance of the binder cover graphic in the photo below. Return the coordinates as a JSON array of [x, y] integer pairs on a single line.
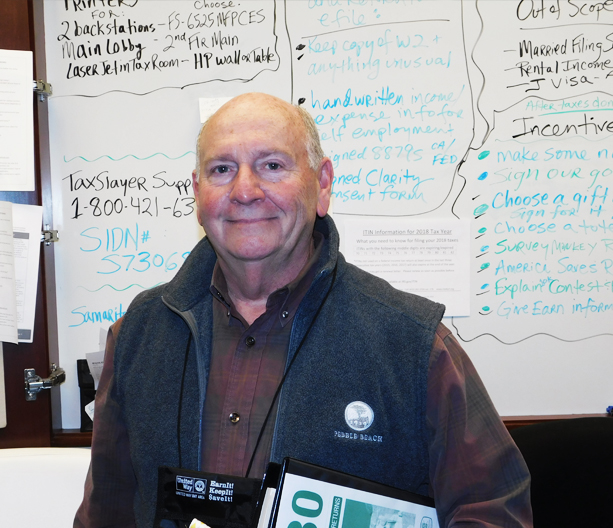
[[311, 496]]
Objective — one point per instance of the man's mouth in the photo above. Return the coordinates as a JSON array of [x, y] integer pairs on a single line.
[[248, 220]]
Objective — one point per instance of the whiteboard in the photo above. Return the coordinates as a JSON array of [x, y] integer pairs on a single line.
[[494, 111]]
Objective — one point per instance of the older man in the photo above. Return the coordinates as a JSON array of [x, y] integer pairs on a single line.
[[268, 344]]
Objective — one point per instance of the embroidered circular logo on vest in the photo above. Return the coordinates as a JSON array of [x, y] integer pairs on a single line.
[[359, 416]]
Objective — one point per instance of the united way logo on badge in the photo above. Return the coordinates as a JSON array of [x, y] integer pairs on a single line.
[[359, 416], [190, 486]]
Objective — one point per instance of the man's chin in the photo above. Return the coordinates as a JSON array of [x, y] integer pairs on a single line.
[[250, 249]]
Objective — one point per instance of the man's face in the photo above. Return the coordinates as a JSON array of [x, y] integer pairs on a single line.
[[257, 197]]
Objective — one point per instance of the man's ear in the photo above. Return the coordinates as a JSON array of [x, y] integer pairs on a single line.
[[196, 186], [325, 178]]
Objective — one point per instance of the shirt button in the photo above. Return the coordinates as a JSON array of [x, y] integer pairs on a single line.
[[234, 417], [250, 341], [284, 314]]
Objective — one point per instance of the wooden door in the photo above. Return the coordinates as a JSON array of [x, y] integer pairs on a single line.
[[28, 423]]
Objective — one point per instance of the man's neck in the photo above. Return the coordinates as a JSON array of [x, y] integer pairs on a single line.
[[251, 283]]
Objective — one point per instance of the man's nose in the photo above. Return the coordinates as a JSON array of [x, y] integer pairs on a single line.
[[246, 187]]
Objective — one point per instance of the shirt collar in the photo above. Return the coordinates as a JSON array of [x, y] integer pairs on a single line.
[[285, 300]]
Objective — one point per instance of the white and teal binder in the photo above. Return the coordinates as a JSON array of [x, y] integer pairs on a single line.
[[301, 495]]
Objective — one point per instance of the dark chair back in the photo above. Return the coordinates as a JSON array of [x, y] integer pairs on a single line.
[[571, 463]]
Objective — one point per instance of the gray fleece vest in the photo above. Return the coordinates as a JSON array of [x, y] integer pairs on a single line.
[[354, 399]]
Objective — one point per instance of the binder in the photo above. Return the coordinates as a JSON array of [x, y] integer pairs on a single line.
[[297, 494]]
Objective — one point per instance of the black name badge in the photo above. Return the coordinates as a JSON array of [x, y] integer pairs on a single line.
[[216, 500]]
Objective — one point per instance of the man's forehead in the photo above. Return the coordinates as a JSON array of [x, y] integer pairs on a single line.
[[278, 126], [244, 110]]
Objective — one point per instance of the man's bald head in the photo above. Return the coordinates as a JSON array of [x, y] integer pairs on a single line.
[[244, 105]]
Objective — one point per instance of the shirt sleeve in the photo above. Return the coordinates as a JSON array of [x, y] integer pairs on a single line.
[[477, 474], [110, 484]]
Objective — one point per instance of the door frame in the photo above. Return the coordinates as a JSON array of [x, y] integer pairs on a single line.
[[29, 423]]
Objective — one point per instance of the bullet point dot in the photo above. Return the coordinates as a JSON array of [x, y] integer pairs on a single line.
[[480, 210]]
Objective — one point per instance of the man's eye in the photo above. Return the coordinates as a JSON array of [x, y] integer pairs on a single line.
[[221, 169], [273, 165]]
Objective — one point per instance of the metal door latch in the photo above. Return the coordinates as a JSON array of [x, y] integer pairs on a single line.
[[34, 383], [49, 235], [43, 89]]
